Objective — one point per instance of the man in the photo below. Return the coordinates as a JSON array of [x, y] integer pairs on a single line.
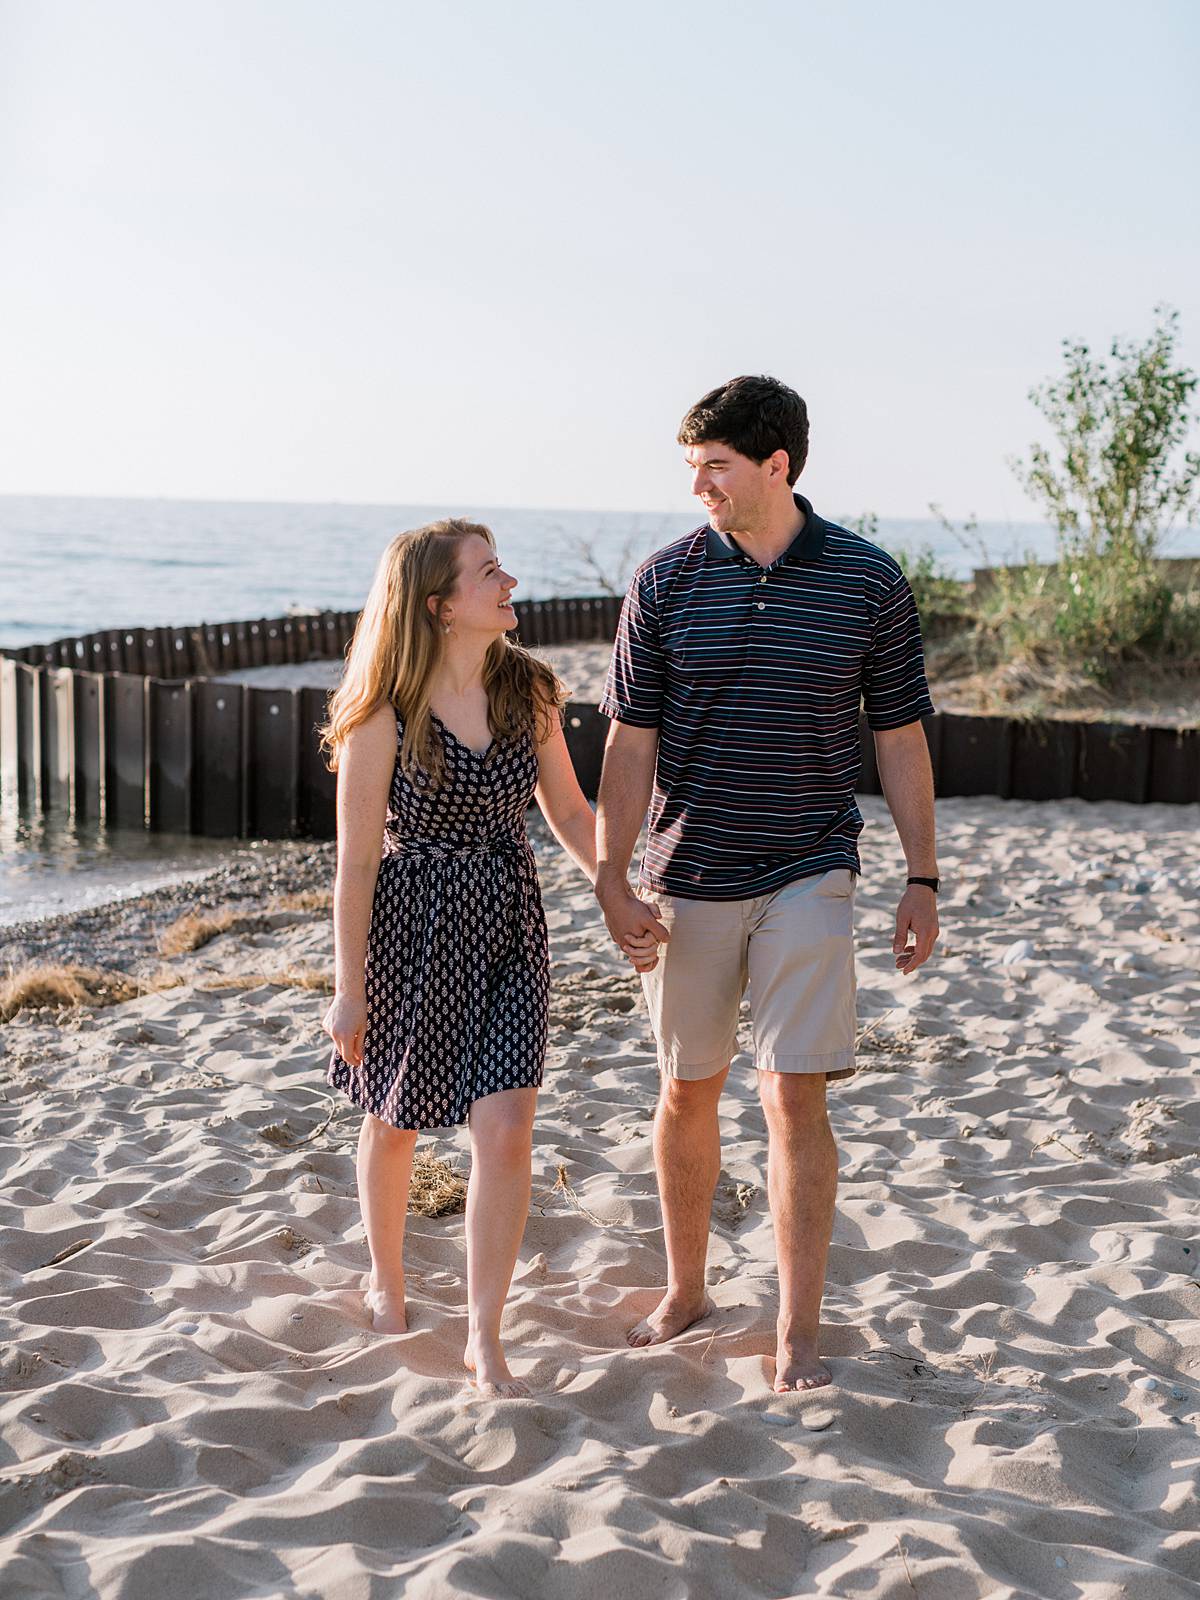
[[743, 653]]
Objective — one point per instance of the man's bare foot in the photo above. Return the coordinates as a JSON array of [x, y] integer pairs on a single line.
[[668, 1319], [484, 1360], [798, 1367], [385, 1307]]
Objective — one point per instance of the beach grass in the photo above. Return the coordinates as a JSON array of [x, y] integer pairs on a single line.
[[61, 986], [284, 978], [194, 929], [436, 1189]]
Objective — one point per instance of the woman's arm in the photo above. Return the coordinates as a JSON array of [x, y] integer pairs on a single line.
[[364, 778], [573, 824], [563, 803]]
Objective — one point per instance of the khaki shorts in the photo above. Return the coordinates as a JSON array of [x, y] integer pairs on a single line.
[[795, 949]]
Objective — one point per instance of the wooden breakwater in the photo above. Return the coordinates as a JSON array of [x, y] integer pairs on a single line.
[[136, 728], [215, 647]]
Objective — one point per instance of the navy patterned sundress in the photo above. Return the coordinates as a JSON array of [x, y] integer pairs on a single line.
[[457, 969]]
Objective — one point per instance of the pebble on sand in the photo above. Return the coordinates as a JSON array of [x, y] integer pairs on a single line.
[[1017, 953]]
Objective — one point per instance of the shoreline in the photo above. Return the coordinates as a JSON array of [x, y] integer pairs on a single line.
[[126, 928]]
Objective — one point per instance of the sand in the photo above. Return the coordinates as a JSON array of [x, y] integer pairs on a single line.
[[582, 668], [194, 1403]]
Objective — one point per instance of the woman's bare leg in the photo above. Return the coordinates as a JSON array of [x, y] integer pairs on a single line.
[[384, 1169], [497, 1208]]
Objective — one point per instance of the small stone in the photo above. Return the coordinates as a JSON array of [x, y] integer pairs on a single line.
[[1178, 1392], [1017, 953], [296, 1316], [186, 1327], [817, 1421], [1126, 961], [1147, 1383], [1059, 1562]]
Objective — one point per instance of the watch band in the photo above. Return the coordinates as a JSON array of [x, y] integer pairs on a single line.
[[930, 883]]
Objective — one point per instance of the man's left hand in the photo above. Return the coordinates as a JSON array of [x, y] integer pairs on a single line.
[[916, 915]]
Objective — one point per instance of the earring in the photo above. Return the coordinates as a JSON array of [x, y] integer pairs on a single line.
[[445, 627]]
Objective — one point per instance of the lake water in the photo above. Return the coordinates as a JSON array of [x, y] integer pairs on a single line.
[[74, 565]]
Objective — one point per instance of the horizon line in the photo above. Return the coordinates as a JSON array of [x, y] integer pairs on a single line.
[[439, 506]]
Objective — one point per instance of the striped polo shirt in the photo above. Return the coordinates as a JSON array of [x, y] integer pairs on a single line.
[[754, 677]]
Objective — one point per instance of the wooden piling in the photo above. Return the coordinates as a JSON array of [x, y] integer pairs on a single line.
[[125, 750], [219, 768], [58, 736], [89, 759], [273, 764], [170, 753]]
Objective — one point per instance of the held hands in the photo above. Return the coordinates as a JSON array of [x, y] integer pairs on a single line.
[[916, 915], [642, 951], [634, 926], [346, 1024]]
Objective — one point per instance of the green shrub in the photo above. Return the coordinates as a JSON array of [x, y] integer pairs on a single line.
[[1113, 484]]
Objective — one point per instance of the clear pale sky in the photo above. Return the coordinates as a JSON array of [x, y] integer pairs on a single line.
[[488, 254]]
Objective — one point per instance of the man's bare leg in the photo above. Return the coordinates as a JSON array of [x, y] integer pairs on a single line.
[[687, 1159], [384, 1169], [802, 1187]]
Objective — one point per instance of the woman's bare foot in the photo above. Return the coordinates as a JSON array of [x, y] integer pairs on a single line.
[[484, 1360], [668, 1319], [798, 1367], [385, 1307]]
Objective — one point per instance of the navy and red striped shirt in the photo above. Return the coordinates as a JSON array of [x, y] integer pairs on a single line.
[[754, 677]]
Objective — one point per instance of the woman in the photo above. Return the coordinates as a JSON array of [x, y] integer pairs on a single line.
[[441, 733]]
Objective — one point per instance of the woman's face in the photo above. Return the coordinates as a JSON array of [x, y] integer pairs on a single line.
[[481, 600]]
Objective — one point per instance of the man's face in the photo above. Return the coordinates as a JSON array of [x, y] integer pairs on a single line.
[[732, 488]]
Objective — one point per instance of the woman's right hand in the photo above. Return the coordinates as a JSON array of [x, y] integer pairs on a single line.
[[642, 951], [630, 920], [346, 1024]]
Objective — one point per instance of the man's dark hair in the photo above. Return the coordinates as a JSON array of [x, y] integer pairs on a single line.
[[755, 417]]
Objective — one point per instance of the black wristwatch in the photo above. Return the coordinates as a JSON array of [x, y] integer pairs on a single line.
[[930, 883]]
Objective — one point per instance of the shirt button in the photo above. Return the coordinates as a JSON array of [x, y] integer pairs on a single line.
[[763, 579], [762, 605]]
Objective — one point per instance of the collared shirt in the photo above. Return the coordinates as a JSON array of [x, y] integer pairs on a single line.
[[754, 677]]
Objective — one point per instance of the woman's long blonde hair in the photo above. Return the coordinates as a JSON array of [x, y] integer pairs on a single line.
[[398, 643]]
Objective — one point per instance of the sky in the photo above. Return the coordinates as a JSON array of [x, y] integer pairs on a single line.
[[489, 254]]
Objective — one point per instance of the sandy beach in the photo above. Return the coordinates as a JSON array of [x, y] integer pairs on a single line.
[[193, 1398]]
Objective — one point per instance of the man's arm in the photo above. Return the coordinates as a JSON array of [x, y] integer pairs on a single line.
[[626, 783], [902, 758]]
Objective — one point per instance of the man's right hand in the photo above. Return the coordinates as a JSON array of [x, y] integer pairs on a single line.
[[629, 920]]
